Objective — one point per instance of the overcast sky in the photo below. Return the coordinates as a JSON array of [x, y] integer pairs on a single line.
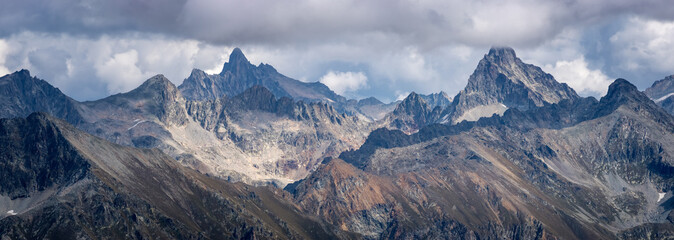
[[383, 48]]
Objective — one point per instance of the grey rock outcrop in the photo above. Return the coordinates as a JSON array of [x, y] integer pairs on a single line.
[[662, 92], [238, 74], [412, 114], [440, 99], [22, 94], [502, 81]]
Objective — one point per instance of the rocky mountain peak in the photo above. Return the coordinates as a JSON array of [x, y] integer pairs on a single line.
[[502, 81], [22, 72], [621, 91], [197, 74], [662, 92], [237, 56], [440, 99], [661, 88], [412, 114], [161, 98], [24, 94], [369, 101], [501, 55], [413, 104], [238, 63], [157, 87], [158, 82]]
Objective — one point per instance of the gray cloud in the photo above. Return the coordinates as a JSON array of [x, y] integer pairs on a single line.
[[92, 48], [422, 23]]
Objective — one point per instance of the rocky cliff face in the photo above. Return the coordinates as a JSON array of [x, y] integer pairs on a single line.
[[274, 139], [502, 81], [67, 184], [662, 93], [22, 94], [253, 137], [412, 114], [440, 99], [576, 169], [238, 74]]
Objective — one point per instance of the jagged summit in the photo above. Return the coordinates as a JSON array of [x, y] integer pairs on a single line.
[[501, 54], [157, 81], [154, 87], [237, 56], [412, 114], [22, 94], [238, 64], [440, 99], [502, 81], [238, 74], [661, 88], [622, 86], [22, 72], [413, 104], [158, 96], [622, 91], [369, 101]]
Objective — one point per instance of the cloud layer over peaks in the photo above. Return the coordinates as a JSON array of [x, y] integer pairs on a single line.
[[93, 48]]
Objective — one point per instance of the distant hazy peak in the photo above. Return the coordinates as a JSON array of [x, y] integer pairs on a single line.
[[661, 88], [369, 101]]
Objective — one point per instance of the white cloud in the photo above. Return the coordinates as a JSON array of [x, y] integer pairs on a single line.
[[121, 72], [91, 68], [402, 96], [4, 50], [644, 45], [342, 82], [578, 76]]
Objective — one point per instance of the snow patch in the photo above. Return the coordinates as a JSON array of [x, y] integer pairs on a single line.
[[661, 196], [478, 112], [11, 212], [664, 97], [138, 122]]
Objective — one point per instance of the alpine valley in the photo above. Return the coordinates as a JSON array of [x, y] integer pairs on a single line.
[[252, 154]]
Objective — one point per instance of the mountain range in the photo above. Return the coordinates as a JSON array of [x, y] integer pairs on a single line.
[[250, 153]]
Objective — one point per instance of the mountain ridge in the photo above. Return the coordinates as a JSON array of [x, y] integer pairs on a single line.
[[538, 150]]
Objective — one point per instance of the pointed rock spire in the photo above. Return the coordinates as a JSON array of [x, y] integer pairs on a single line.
[[237, 56], [413, 104], [238, 63]]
